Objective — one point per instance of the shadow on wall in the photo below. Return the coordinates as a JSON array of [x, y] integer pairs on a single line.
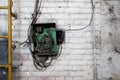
[[115, 32], [15, 63], [115, 36]]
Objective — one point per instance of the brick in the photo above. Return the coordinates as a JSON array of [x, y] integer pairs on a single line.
[[82, 68], [60, 78], [22, 78], [23, 68], [69, 78], [80, 62], [51, 78], [77, 51], [33, 78], [79, 57], [63, 68], [23, 74], [77, 46]]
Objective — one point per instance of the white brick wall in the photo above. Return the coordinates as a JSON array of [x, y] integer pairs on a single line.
[[76, 61]]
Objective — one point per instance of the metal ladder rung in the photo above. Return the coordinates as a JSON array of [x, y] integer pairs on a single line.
[[3, 7], [4, 66], [3, 36]]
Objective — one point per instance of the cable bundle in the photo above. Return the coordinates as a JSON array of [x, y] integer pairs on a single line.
[[44, 45]]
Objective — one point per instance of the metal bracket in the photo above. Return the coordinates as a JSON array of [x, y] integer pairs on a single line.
[[14, 15]]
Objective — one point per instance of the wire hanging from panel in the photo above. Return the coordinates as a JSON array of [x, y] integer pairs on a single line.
[[37, 12]]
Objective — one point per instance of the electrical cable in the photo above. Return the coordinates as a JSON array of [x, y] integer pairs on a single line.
[[59, 51], [34, 19], [91, 19], [44, 45], [94, 53], [65, 30], [38, 64]]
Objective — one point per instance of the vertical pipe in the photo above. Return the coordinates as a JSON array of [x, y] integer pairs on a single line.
[[94, 55], [94, 49], [9, 72]]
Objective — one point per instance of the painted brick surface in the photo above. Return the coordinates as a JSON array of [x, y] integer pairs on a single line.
[[82, 50], [76, 59]]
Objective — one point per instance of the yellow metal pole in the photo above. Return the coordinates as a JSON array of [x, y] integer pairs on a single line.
[[9, 40], [10, 72]]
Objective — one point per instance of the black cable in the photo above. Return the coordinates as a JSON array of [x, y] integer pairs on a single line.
[[45, 45], [37, 12], [34, 19], [38, 64], [58, 52], [93, 7]]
